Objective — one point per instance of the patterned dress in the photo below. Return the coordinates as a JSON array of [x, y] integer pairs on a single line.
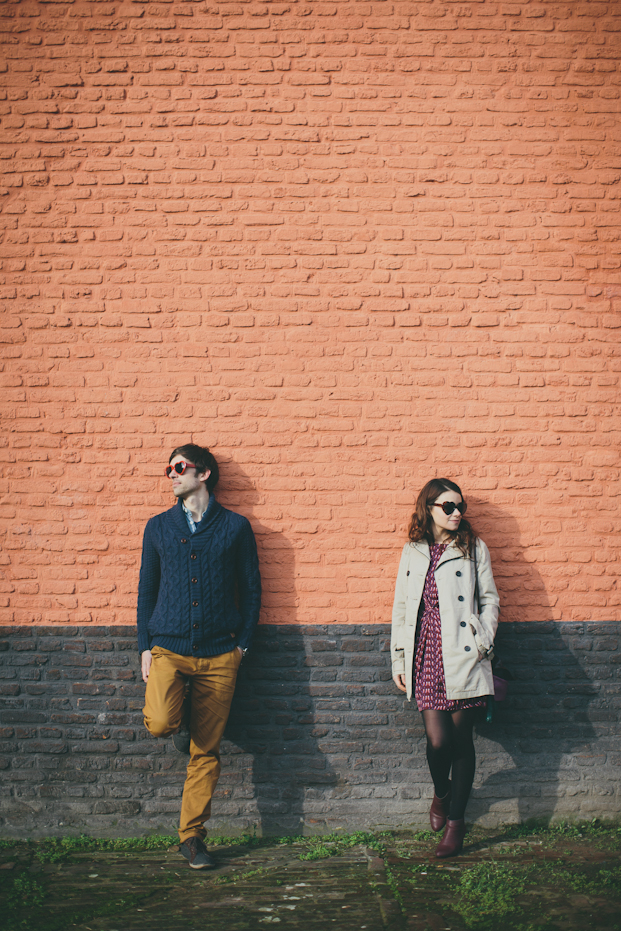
[[430, 689]]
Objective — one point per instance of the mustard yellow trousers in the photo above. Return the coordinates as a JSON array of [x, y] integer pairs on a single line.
[[213, 683]]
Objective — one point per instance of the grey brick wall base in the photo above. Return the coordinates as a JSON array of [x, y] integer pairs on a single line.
[[318, 738]]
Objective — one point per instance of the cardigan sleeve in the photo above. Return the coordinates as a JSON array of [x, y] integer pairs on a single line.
[[148, 587], [248, 585]]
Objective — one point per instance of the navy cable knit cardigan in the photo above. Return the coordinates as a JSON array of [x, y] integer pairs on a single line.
[[199, 593]]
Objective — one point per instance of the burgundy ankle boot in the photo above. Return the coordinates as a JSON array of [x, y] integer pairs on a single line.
[[438, 812], [453, 839]]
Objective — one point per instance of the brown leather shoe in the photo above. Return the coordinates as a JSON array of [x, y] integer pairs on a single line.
[[453, 839], [438, 813], [194, 850]]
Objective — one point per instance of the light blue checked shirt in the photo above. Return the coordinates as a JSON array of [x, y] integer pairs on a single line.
[[188, 516]]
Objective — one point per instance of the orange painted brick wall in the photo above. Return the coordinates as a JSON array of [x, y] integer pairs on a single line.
[[350, 246]]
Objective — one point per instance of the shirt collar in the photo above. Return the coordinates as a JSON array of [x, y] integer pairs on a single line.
[[193, 523]]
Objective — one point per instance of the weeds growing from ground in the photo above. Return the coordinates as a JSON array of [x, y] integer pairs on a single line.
[[607, 834], [25, 892], [490, 894], [25, 908], [487, 894], [498, 891], [331, 845], [57, 849], [597, 882]]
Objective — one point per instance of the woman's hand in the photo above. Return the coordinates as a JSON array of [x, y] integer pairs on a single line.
[[399, 680], [482, 656]]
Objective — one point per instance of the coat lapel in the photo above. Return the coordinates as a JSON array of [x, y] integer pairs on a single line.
[[451, 552], [422, 547]]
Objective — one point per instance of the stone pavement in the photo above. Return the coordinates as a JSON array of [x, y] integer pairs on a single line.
[[374, 882]]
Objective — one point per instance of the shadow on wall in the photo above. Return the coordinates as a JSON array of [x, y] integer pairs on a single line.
[[523, 594], [273, 718], [288, 760], [543, 727], [236, 490]]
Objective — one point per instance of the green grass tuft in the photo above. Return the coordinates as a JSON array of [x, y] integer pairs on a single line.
[[487, 894], [331, 845], [25, 892], [57, 849]]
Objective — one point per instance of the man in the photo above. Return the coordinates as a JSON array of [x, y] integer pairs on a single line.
[[199, 595]]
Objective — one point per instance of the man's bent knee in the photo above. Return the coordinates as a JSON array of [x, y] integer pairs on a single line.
[[160, 727]]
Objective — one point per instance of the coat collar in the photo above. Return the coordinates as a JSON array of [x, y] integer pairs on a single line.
[[178, 515], [451, 551]]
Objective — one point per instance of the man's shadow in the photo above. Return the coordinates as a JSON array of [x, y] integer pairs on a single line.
[[544, 724], [274, 774]]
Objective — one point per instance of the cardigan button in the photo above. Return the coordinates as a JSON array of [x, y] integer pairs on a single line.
[[458, 572], [462, 623], [195, 646], [467, 649], [460, 598], [195, 581], [183, 540], [195, 605], [192, 555], [195, 626]]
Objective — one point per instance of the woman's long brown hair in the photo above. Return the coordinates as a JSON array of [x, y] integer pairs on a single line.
[[422, 522]]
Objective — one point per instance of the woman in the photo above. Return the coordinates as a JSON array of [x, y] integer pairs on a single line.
[[442, 644]]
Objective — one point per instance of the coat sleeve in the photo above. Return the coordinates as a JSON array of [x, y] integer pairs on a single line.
[[489, 602], [148, 587], [248, 585], [397, 639]]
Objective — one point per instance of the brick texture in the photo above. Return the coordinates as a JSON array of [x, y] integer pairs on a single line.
[[349, 245], [318, 736]]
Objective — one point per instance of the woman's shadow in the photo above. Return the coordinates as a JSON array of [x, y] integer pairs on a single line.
[[274, 774], [543, 725]]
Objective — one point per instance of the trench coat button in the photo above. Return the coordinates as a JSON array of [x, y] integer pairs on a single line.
[[467, 649], [460, 598], [458, 572], [462, 623]]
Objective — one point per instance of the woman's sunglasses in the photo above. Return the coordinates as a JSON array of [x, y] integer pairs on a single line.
[[449, 506], [179, 468]]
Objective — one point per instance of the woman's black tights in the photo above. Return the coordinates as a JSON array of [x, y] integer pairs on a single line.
[[450, 745]]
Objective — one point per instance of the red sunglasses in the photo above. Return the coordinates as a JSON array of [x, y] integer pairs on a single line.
[[179, 468]]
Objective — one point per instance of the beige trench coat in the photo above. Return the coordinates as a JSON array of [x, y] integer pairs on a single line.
[[465, 635]]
